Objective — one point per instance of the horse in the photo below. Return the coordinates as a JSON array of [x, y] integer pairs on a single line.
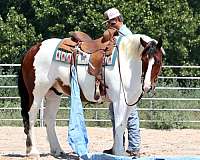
[[135, 71]]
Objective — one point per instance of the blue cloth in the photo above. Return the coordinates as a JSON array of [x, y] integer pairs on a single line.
[[103, 156], [170, 158], [77, 133]]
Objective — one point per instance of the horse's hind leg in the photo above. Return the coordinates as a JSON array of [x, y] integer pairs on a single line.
[[30, 141], [52, 102], [38, 94]]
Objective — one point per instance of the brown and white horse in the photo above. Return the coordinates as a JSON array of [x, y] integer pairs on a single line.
[[138, 56]]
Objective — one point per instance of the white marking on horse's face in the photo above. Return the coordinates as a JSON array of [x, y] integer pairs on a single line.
[[147, 80]]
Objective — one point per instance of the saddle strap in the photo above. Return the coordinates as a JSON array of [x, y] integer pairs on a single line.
[[100, 85], [97, 93]]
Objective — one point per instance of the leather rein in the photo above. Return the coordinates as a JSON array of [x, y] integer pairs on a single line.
[[119, 67]]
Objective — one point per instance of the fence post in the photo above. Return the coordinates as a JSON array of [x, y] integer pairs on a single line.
[[151, 107]]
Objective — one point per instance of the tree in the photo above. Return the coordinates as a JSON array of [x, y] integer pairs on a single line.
[[15, 37], [176, 21]]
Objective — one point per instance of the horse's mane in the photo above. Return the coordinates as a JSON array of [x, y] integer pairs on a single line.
[[132, 45]]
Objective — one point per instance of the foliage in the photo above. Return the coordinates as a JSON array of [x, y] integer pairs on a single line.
[[16, 35], [25, 22]]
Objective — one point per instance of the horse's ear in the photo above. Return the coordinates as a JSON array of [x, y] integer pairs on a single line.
[[159, 45], [144, 44]]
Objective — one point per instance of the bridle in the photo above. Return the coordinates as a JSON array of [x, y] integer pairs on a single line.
[[150, 50]]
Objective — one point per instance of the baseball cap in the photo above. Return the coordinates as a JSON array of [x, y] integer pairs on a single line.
[[111, 13]]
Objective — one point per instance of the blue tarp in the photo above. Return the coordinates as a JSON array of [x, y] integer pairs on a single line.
[[77, 133], [102, 156]]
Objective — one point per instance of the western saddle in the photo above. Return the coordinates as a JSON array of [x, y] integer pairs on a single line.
[[98, 49], [87, 44]]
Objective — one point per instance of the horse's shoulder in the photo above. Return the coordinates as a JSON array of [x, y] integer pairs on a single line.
[[51, 41]]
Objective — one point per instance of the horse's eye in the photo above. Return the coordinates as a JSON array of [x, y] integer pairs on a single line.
[[157, 62]]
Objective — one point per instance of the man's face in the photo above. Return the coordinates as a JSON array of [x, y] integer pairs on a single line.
[[112, 22]]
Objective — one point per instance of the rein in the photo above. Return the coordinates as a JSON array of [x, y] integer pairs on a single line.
[[119, 67]]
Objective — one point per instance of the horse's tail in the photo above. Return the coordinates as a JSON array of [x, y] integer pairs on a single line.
[[23, 93]]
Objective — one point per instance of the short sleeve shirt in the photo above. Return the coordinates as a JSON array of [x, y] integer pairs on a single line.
[[124, 31]]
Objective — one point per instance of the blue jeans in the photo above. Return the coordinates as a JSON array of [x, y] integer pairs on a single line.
[[132, 127]]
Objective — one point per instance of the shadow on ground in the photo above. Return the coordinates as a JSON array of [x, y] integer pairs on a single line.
[[67, 156]]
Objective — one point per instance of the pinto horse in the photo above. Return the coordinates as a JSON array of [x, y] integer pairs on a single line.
[[136, 68]]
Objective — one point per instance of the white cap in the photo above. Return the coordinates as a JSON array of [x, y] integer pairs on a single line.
[[111, 13]]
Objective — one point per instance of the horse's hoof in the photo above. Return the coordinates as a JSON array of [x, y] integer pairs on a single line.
[[119, 152], [28, 150], [108, 151], [135, 154], [33, 153], [58, 154]]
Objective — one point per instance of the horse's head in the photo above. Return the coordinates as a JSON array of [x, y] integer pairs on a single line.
[[151, 63]]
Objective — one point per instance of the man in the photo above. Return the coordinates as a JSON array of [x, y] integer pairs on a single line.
[[114, 19]]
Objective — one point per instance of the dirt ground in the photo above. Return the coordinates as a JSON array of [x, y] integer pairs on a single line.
[[153, 143]]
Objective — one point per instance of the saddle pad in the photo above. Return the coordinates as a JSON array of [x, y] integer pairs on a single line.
[[66, 57], [82, 58]]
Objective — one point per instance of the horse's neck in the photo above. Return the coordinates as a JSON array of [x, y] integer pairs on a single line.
[[130, 48], [130, 65], [126, 80]]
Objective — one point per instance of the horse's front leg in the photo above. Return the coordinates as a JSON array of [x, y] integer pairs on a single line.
[[51, 109], [120, 125], [121, 114], [118, 148]]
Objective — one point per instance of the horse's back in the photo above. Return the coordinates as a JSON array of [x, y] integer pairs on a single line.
[[51, 41], [48, 47]]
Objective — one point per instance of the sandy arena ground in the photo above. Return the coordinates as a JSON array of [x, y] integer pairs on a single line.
[[154, 142]]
